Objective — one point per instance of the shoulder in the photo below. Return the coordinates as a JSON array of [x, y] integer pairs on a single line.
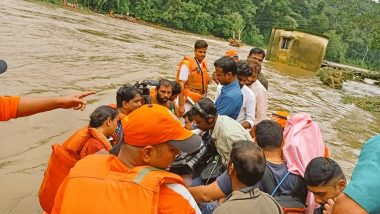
[[173, 196], [247, 92], [261, 86]]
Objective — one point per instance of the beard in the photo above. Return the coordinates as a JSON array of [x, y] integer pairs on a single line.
[[162, 99]]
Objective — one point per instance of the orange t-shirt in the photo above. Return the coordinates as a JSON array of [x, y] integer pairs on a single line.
[[8, 107]]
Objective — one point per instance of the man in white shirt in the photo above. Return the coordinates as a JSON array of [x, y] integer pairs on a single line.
[[259, 90], [246, 115]]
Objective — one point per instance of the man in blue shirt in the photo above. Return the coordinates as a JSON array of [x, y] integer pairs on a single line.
[[230, 99]]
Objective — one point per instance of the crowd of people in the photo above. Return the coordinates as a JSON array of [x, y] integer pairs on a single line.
[[120, 161]]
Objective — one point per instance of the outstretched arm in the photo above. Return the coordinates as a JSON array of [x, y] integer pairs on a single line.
[[206, 193], [29, 106]]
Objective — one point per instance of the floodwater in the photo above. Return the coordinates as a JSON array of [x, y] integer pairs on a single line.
[[52, 51]]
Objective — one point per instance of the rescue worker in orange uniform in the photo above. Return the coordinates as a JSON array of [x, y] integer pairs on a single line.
[[91, 139], [136, 180], [192, 75], [12, 107]]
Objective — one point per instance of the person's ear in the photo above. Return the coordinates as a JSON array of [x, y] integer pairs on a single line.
[[109, 121], [210, 120], [125, 103], [147, 153], [341, 184], [231, 168]]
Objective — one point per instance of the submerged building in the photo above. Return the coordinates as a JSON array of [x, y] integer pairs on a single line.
[[297, 49]]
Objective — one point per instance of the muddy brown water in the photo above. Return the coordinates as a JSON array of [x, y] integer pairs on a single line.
[[52, 50]]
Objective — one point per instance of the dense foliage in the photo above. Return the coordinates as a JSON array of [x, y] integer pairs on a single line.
[[353, 26]]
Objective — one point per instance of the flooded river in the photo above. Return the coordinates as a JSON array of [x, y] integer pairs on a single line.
[[56, 51]]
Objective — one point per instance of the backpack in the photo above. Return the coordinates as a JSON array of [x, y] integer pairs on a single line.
[[290, 204]]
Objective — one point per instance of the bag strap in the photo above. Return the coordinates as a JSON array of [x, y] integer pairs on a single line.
[[267, 183], [279, 184], [200, 70]]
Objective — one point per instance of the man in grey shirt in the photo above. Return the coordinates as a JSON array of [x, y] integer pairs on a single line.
[[245, 168]]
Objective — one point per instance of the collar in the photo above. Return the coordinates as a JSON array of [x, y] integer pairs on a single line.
[[231, 85], [215, 130], [245, 193]]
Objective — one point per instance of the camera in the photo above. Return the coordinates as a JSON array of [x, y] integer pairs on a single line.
[[204, 163], [143, 86]]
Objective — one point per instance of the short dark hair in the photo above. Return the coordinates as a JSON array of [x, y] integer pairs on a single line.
[[254, 65], [257, 51], [126, 93], [200, 44], [249, 162], [243, 69], [177, 89], [207, 105], [164, 82], [101, 114], [268, 134], [227, 64], [323, 171], [189, 115]]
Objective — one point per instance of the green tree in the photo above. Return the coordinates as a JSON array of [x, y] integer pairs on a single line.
[[336, 49]]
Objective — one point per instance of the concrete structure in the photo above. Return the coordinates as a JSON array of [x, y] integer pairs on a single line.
[[297, 49]]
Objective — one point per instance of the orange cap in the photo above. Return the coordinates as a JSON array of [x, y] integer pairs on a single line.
[[280, 117], [231, 53], [155, 124]]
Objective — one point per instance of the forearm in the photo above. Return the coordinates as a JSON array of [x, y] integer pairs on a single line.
[[204, 194], [28, 106], [181, 97]]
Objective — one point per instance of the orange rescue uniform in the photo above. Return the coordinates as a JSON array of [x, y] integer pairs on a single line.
[[64, 157], [8, 107], [103, 184], [195, 87]]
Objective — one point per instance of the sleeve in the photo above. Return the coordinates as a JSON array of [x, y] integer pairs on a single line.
[[218, 90], [91, 147], [262, 106], [364, 186], [184, 73], [251, 109], [8, 107], [223, 106], [224, 183], [175, 198]]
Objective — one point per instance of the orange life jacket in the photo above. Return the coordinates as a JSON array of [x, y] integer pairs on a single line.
[[107, 181], [197, 83], [62, 159]]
